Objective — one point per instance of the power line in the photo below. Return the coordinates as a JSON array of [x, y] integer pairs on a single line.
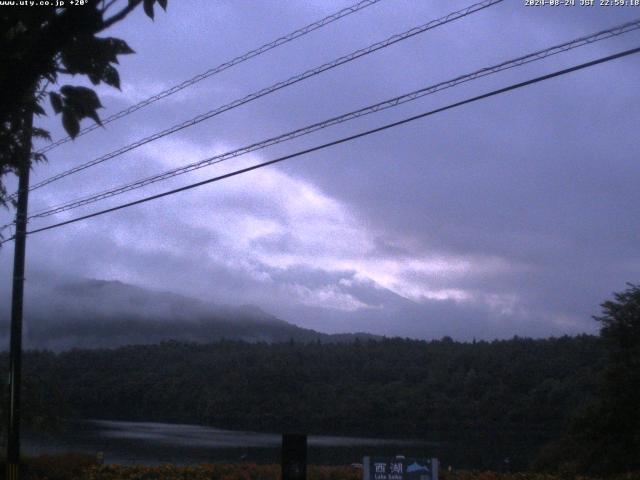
[[277, 86], [223, 66], [344, 139], [525, 59]]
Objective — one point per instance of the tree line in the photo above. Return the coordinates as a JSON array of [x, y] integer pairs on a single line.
[[398, 388], [570, 402]]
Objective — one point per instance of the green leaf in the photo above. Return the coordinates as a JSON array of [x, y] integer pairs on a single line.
[[39, 157], [38, 110], [95, 77], [163, 4], [94, 116], [82, 97], [90, 56], [81, 102], [41, 133], [119, 46], [67, 90], [78, 55], [111, 77], [56, 101], [148, 8], [70, 123]]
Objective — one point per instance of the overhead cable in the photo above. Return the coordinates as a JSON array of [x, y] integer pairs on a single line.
[[275, 87], [220, 68], [393, 102], [342, 140]]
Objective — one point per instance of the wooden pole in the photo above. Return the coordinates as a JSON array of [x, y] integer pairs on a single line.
[[17, 299]]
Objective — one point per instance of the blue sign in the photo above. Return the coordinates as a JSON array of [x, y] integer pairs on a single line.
[[399, 468]]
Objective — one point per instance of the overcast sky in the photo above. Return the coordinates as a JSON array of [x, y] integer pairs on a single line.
[[517, 215]]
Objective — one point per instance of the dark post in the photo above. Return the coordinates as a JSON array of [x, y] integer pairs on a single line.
[[294, 456], [15, 353]]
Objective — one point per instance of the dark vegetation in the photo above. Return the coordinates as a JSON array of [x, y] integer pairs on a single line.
[[42, 43], [391, 388], [519, 389], [571, 401], [78, 467], [605, 437]]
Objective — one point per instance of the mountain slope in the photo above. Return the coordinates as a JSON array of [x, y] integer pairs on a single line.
[[101, 314]]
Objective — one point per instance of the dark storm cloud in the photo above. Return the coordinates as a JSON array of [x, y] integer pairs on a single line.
[[509, 216]]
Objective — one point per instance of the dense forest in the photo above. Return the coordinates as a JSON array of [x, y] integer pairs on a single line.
[[567, 404], [518, 388]]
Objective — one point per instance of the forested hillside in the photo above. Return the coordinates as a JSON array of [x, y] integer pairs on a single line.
[[393, 388], [109, 314]]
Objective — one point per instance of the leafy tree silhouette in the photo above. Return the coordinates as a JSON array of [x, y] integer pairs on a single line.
[[617, 415], [37, 44], [605, 437]]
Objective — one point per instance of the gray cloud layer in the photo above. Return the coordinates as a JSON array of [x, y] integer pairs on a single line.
[[516, 215]]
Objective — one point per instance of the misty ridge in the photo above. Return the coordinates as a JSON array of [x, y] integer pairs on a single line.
[[90, 313]]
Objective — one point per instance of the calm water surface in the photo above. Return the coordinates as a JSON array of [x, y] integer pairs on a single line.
[[154, 443]]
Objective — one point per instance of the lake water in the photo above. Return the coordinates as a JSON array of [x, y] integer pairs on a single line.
[[154, 443], [150, 443]]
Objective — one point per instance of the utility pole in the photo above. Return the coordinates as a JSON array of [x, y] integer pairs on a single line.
[[15, 352]]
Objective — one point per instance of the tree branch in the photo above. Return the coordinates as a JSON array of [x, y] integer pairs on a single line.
[[108, 5], [120, 15]]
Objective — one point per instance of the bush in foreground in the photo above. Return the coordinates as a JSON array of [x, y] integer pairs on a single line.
[[84, 467], [211, 472], [272, 472]]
